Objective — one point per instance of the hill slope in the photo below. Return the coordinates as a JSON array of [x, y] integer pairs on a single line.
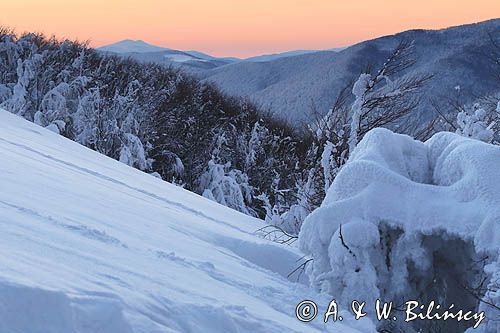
[[291, 85], [92, 245]]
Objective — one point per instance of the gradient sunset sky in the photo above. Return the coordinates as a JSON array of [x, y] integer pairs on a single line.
[[236, 27]]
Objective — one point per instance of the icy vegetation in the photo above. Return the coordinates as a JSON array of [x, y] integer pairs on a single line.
[[406, 220], [155, 119], [92, 245]]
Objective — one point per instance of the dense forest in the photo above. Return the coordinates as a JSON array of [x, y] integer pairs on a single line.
[[165, 122]]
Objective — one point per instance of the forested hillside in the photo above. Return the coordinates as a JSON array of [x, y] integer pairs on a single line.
[[294, 87], [166, 123], [153, 118]]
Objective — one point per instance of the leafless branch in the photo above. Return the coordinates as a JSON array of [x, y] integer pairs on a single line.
[[277, 235], [300, 269]]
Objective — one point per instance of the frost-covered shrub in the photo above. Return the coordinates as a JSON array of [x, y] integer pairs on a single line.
[[473, 124], [359, 90], [229, 188], [411, 220], [132, 152]]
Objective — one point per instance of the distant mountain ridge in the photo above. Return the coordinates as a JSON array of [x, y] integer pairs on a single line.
[[292, 87], [145, 52], [193, 61], [275, 56]]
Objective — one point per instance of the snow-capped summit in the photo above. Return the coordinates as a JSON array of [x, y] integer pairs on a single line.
[[128, 46]]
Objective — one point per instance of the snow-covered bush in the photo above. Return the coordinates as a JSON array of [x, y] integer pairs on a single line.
[[473, 124], [226, 186], [411, 220], [359, 90], [327, 164], [289, 221], [132, 152], [86, 118]]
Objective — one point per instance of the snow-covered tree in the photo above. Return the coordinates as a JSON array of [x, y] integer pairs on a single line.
[[359, 90], [54, 110], [132, 152], [472, 123], [380, 99], [327, 164], [86, 118], [20, 101], [226, 186], [254, 145]]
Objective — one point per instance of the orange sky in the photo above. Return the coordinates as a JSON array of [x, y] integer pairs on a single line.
[[236, 27]]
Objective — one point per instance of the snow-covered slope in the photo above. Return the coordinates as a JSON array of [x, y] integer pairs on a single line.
[[291, 86], [91, 245]]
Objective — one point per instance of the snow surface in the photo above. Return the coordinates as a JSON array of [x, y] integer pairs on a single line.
[[430, 196], [91, 245]]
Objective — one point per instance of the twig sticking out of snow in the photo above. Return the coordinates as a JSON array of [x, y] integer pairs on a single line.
[[276, 234], [301, 268], [343, 242]]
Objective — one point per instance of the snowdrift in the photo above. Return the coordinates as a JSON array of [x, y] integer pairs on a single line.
[[411, 220], [91, 245]]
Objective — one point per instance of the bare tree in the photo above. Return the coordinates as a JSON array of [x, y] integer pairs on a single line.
[[384, 102]]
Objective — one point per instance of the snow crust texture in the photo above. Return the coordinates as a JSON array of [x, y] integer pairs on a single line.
[[90, 245], [402, 211]]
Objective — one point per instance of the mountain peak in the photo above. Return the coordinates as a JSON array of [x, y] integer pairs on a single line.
[[130, 45]]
